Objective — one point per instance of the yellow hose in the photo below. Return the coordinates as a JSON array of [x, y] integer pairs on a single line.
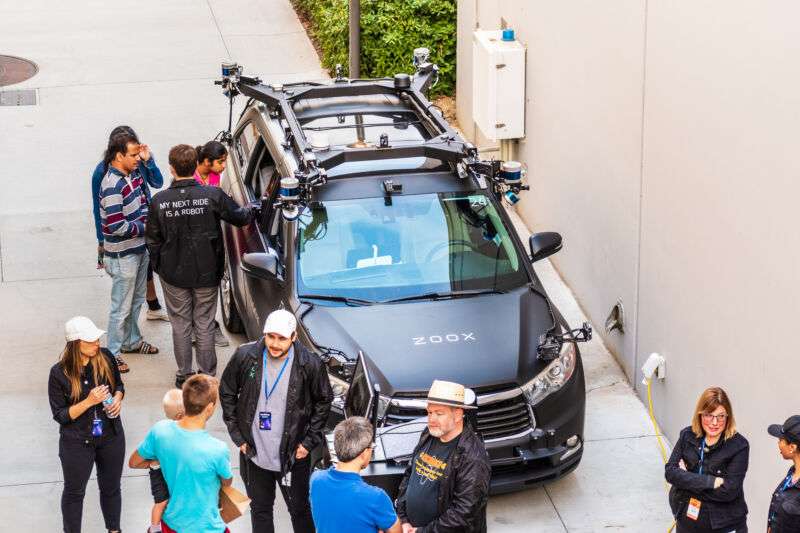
[[657, 430]]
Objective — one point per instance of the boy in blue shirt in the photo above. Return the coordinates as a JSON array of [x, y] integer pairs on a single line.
[[195, 464], [340, 500]]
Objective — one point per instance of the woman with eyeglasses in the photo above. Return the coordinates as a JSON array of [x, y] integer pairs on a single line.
[[707, 469]]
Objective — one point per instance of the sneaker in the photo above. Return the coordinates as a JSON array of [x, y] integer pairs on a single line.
[[219, 338], [180, 380], [158, 314]]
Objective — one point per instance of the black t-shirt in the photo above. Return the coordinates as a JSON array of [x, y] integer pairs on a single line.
[[422, 491]]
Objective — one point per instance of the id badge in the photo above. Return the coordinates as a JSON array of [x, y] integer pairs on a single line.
[[97, 428], [286, 480], [265, 421], [693, 511]]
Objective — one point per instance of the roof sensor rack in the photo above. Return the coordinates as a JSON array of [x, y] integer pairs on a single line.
[[445, 143]]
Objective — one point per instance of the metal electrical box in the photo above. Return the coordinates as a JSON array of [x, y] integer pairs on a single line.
[[498, 84]]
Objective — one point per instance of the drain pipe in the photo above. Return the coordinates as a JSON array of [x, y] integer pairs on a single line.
[[354, 47]]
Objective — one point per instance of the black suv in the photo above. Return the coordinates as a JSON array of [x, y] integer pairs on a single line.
[[385, 234]]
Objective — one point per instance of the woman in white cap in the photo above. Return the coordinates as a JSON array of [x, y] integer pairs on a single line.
[[85, 390]]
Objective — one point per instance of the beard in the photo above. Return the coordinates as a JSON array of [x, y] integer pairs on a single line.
[[438, 432]]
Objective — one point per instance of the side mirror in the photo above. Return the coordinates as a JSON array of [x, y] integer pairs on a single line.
[[260, 265], [544, 244]]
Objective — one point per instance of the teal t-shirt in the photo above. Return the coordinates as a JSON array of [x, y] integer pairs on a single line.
[[193, 462]]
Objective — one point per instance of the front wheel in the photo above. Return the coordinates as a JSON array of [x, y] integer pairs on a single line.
[[230, 315]]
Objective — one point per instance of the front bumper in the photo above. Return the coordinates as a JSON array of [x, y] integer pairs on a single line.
[[525, 461]]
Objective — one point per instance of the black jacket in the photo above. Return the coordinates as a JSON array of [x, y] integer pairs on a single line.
[[184, 236], [784, 509], [464, 487], [59, 392], [308, 399], [728, 460]]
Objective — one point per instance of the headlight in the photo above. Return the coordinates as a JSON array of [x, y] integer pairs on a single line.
[[552, 377]]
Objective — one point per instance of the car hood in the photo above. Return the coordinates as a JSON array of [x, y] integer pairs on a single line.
[[480, 341]]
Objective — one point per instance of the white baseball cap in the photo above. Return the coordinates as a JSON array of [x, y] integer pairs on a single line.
[[81, 328], [281, 322]]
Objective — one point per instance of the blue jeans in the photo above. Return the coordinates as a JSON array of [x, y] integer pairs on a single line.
[[128, 290]]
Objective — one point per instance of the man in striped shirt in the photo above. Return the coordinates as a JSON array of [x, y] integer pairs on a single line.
[[123, 214]]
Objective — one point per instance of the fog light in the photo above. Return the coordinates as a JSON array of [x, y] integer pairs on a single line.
[[572, 441]]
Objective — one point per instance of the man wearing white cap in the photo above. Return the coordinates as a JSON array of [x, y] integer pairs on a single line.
[[446, 485], [275, 397]]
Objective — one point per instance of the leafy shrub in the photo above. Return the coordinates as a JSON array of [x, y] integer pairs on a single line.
[[390, 30]]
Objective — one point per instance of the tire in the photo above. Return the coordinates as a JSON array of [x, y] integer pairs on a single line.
[[230, 314]]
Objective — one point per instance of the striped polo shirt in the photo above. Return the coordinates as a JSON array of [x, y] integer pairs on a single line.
[[123, 213]]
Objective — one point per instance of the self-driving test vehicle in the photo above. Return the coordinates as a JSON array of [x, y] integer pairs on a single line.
[[386, 236]]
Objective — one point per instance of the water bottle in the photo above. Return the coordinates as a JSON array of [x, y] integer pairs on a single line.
[[106, 404]]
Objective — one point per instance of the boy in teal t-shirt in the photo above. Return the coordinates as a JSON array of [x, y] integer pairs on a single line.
[[195, 464]]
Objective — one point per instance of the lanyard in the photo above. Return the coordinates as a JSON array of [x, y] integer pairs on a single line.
[[702, 454], [787, 483], [267, 391]]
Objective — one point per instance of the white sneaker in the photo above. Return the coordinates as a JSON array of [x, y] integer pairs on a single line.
[[158, 314]]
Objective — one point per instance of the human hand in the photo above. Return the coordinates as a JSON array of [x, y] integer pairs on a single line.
[[100, 252], [114, 409], [301, 453], [243, 448], [144, 152], [682, 465], [408, 528], [718, 481], [97, 395]]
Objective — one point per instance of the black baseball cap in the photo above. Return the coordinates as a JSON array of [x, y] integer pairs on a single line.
[[790, 430]]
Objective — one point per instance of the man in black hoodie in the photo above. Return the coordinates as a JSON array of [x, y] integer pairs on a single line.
[[446, 485], [275, 397], [184, 239]]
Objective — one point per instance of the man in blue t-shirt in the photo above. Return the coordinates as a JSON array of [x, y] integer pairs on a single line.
[[195, 464], [340, 500]]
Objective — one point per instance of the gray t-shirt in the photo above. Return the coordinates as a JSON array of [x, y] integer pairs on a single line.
[[268, 442]]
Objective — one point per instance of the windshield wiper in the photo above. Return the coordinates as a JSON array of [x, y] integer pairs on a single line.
[[443, 295], [332, 298]]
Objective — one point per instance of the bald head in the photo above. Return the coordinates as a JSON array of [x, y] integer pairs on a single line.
[[173, 404]]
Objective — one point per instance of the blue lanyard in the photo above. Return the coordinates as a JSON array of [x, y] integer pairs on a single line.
[[267, 391], [787, 483], [702, 454]]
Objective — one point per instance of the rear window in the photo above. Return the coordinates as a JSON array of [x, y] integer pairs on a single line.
[[348, 130]]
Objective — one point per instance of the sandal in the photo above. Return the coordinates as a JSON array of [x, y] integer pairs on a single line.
[[122, 365], [144, 348]]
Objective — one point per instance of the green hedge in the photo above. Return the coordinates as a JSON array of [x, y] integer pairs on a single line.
[[390, 30]]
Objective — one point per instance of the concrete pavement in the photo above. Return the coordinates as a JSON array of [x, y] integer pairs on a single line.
[[150, 64]]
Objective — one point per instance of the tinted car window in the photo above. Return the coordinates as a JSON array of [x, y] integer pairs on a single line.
[[363, 248], [344, 130]]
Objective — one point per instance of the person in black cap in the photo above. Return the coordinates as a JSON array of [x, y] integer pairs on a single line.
[[784, 509]]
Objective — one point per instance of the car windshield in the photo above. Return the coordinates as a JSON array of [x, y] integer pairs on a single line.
[[380, 249]]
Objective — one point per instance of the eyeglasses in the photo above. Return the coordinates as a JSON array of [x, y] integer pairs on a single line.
[[713, 418]]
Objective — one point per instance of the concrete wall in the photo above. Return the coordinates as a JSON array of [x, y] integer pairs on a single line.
[[660, 141]]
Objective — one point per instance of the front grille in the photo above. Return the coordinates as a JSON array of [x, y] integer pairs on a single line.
[[494, 421], [503, 419]]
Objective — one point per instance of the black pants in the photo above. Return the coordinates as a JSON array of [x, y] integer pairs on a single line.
[[260, 486], [78, 456], [686, 525]]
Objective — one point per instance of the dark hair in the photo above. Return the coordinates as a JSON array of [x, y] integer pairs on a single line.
[[124, 129], [199, 391], [212, 151], [183, 158], [118, 144]]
